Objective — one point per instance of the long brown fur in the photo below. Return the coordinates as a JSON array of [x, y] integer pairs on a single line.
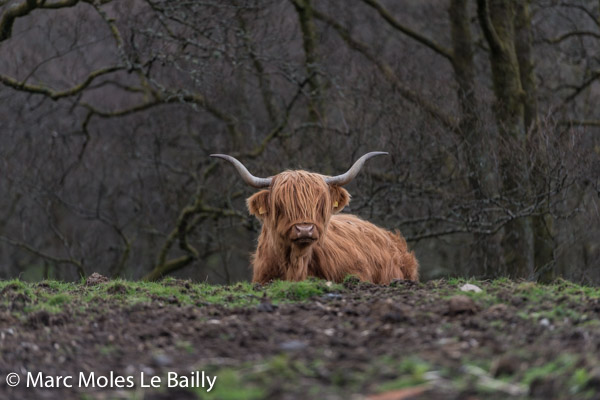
[[346, 244]]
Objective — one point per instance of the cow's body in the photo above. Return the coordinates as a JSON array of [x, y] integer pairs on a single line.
[[302, 237], [350, 246]]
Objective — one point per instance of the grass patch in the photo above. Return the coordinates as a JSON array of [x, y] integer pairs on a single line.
[[299, 291], [55, 297], [59, 299], [325, 374], [559, 367], [12, 285], [411, 372], [231, 384]]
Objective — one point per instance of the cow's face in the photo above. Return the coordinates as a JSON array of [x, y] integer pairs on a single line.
[[297, 207]]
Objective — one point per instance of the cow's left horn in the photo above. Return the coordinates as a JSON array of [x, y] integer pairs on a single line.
[[244, 173], [343, 179]]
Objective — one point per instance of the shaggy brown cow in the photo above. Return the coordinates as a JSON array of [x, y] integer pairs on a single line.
[[301, 235]]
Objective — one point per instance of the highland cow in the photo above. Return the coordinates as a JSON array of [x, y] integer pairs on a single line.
[[302, 234]]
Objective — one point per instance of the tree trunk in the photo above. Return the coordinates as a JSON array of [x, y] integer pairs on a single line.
[[523, 39], [542, 225], [464, 73], [309, 38], [497, 19], [482, 173]]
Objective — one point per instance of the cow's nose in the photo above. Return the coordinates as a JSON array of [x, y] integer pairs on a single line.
[[303, 231]]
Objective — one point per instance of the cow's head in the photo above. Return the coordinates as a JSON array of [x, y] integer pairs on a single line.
[[296, 205]]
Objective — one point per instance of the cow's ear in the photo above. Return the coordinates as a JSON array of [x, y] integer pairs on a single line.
[[339, 198], [258, 204]]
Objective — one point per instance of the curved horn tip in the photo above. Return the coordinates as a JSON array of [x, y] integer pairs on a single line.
[[343, 179], [244, 173]]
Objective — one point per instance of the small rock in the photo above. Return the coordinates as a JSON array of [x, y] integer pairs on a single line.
[[545, 322], [467, 287], [292, 345], [95, 279], [397, 315], [391, 311], [266, 306], [162, 360], [461, 305], [497, 310], [30, 346]]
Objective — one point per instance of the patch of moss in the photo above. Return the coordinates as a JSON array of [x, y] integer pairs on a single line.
[[59, 299], [411, 372], [569, 370], [299, 291], [12, 285]]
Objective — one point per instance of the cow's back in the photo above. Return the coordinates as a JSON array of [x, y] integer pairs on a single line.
[[355, 246]]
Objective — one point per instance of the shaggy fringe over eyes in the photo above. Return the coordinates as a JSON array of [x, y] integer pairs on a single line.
[[300, 196]]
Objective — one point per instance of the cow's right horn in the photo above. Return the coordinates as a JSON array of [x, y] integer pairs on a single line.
[[343, 179], [244, 173]]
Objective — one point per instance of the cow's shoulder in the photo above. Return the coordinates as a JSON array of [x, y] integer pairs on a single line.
[[346, 219]]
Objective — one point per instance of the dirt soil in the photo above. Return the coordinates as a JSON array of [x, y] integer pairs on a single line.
[[340, 345]]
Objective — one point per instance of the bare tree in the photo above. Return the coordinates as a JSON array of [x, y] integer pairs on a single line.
[[110, 109]]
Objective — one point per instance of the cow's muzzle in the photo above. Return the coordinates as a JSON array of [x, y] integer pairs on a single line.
[[304, 234]]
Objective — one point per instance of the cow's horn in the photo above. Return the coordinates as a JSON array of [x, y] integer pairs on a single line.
[[343, 179], [245, 174]]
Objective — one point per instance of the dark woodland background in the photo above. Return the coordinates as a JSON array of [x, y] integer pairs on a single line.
[[109, 109]]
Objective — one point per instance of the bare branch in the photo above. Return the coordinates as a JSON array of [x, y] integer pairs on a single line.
[[582, 87], [569, 35], [169, 98], [15, 11], [388, 72], [437, 48], [56, 260], [182, 229], [263, 78], [54, 94], [171, 266], [583, 9], [585, 122]]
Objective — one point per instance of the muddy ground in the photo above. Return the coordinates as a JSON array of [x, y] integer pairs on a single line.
[[418, 341]]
